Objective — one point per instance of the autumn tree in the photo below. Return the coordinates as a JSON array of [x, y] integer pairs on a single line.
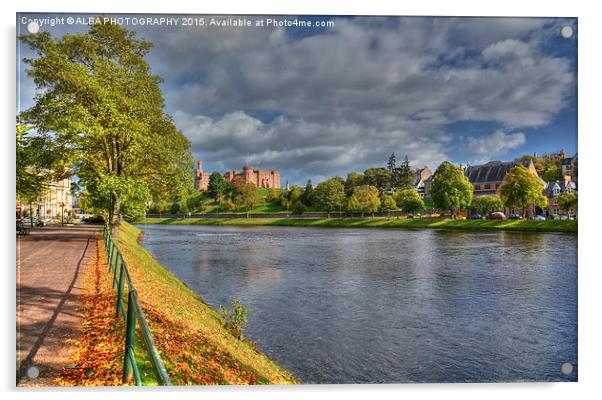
[[387, 203], [365, 199], [408, 200], [246, 196], [486, 204], [99, 101], [522, 189], [450, 189], [330, 195]]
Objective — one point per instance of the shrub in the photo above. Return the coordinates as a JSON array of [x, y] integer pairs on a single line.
[[299, 208], [236, 319]]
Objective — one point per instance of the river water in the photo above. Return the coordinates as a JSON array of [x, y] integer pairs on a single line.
[[382, 305]]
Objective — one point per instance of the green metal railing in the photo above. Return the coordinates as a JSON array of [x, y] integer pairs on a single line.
[[133, 313]]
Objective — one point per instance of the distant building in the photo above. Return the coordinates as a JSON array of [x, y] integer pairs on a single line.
[[260, 178], [53, 201], [553, 189], [420, 179], [488, 178], [569, 167]]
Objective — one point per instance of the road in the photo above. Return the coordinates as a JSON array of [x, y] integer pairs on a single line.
[[50, 265]]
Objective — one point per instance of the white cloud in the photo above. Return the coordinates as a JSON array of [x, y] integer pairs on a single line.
[[494, 144]]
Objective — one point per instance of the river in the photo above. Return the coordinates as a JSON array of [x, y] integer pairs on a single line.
[[383, 306]]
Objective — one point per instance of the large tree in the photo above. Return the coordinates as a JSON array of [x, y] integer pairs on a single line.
[[409, 200], [100, 102], [330, 195], [522, 189], [308, 196], [217, 185], [364, 199], [450, 189], [354, 179], [380, 178], [404, 176]]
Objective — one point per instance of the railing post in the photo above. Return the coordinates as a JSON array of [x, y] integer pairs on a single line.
[[111, 249], [120, 288], [130, 336], [118, 260]]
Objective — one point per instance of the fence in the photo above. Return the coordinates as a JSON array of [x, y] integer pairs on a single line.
[[133, 314]]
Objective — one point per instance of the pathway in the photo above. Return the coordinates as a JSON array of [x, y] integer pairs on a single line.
[[50, 266]]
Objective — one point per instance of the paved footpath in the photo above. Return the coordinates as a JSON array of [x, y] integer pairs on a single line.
[[50, 267]]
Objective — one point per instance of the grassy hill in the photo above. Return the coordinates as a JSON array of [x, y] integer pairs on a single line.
[[195, 346]]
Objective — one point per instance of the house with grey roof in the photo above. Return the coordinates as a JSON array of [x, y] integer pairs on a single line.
[[553, 189], [488, 178]]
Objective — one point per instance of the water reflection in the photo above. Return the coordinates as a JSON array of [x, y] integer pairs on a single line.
[[345, 305]]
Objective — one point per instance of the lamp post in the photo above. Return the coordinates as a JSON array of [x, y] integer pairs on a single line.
[[62, 213]]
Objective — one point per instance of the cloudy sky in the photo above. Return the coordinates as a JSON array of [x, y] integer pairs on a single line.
[[317, 102]]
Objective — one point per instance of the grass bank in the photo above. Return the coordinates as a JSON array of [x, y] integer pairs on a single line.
[[195, 346], [513, 225]]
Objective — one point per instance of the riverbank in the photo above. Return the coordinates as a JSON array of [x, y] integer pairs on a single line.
[[402, 223], [196, 348]]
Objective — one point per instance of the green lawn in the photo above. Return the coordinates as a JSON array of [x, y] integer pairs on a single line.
[[518, 225]]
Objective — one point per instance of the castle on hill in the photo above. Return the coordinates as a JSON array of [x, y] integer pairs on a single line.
[[259, 177]]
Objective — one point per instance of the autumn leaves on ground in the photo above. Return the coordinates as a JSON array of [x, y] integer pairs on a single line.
[[194, 345]]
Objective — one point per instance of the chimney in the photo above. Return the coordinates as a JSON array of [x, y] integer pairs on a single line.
[[199, 168]]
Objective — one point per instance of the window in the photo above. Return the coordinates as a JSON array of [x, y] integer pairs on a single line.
[[487, 186]]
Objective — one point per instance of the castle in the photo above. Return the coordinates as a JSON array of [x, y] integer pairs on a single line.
[[260, 178]]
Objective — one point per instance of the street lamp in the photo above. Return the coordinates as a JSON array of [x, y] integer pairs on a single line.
[[62, 213]]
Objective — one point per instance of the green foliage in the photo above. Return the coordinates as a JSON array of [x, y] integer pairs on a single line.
[[101, 106], [522, 189], [39, 161], [552, 173], [299, 208], [548, 166], [353, 180], [450, 189], [246, 196], [225, 204], [379, 178], [404, 176], [567, 201], [236, 319], [487, 204], [217, 185], [365, 199], [408, 200], [308, 194], [388, 203], [273, 194], [330, 195]]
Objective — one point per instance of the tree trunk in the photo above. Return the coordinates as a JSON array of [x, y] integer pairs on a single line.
[[114, 218]]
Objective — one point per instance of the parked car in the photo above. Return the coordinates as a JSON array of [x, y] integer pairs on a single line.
[[476, 216], [498, 215], [538, 218], [515, 216]]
